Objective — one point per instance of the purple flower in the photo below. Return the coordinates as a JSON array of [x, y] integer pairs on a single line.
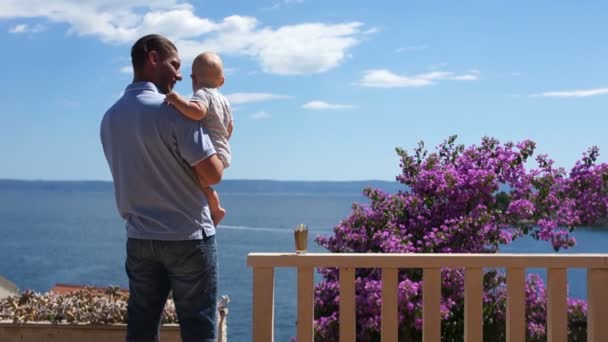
[[454, 204]]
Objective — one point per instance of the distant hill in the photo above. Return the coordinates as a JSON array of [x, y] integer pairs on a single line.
[[226, 186], [59, 186], [316, 187]]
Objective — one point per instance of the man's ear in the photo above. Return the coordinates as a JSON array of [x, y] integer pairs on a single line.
[[153, 58]]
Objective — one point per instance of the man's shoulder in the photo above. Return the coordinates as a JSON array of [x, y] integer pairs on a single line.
[[150, 99], [151, 102]]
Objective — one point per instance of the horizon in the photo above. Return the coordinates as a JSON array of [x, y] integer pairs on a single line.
[[229, 180], [320, 91]]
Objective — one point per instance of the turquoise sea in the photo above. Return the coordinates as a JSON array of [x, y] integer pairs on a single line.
[[69, 232]]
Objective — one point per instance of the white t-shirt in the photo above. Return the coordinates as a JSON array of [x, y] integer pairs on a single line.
[[217, 120]]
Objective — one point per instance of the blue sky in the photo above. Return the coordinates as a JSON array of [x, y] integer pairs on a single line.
[[321, 90]]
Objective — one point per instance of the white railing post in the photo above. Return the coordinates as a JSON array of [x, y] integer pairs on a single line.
[[390, 319], [347, 305], [516, 304], [597, 300], [473, 304], [557, 305], [431, 301], [263, 304], [305, 304]]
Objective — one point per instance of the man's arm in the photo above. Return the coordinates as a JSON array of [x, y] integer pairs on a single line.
[[192, 109], [209, 171]]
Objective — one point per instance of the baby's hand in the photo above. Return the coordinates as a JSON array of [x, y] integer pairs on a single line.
[[172, 98]]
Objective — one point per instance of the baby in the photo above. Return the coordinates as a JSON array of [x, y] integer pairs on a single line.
[[210, 106]]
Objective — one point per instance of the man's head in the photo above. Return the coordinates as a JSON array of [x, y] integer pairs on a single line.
[[155, 60], [207, 71]]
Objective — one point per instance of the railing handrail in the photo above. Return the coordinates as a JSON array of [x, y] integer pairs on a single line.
[[428, 260]]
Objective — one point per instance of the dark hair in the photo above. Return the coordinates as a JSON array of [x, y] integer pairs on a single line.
[[146, 44]]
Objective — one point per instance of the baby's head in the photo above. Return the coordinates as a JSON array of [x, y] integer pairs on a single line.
[[207, 71]]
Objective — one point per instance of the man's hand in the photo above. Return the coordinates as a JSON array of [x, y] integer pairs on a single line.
[[173, 98]]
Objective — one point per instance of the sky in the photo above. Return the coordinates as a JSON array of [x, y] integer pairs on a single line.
[[320, 90]]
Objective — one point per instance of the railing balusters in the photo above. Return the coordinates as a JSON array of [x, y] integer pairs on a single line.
[[516, 304], [597, 299], [473, 304], [347, 305], [390, 319], [305, 304], [263, 304], [557, 265], [557, 305], [431, 301]]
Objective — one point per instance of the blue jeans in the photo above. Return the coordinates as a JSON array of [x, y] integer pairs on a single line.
[[189, 269]]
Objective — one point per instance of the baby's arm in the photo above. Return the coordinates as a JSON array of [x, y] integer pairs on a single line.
[[192, 109]]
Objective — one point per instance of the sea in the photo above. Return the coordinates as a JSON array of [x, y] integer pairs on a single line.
[[69, 232]]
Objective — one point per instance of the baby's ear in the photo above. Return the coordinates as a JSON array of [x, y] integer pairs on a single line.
[[221, 81]]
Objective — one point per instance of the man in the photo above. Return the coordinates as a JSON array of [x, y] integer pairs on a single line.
[[159, 160]]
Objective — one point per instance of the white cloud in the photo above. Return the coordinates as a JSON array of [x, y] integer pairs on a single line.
[[127, 69], [372, 30], [110, 20], [261, 115], [25, 28], [237, 98], [574, 93], [19, 28], [179, 23], [465, 77], [285, 50], [382, 78], [321, 105]]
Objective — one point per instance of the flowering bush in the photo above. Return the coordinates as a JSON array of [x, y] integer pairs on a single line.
[[83, 306], [463, 200]]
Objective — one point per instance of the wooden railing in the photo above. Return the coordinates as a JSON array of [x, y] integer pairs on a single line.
[[263, 265]]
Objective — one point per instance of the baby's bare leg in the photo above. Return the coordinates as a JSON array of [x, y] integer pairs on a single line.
[[213, 198]]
